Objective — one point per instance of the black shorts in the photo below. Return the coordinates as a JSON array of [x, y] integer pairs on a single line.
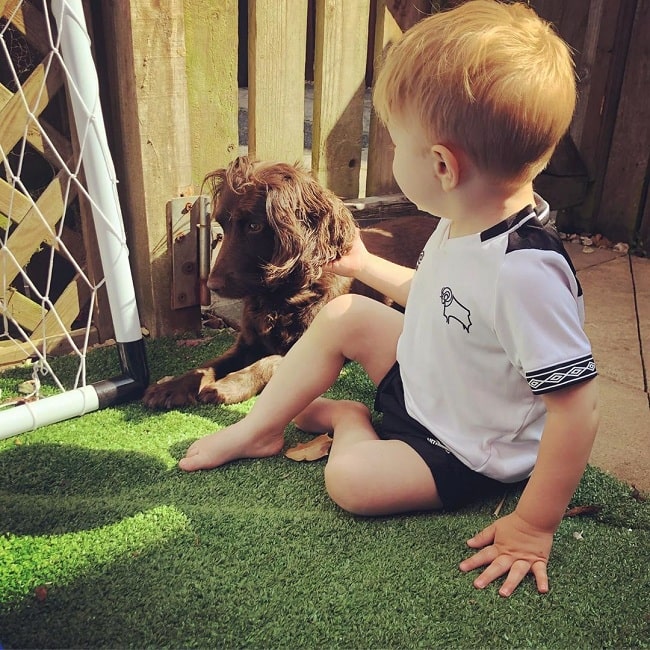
[[457, 484]]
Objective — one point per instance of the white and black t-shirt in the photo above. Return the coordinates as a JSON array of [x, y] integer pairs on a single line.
[[493, 321]]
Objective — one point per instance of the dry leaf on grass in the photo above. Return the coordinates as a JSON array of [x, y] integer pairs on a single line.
[[190, 343], [317, 448], [41, 593], [579, 511]]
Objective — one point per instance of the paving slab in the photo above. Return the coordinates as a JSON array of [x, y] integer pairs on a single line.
[[622, 446], [611, 321], [617, 305]]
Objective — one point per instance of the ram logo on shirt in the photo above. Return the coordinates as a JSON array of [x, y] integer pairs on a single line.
[[453, 309]]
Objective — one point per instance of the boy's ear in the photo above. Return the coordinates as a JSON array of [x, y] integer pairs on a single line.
[[446, 167]]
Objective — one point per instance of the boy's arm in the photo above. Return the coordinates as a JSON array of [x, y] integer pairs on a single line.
[[386, 277], [520, 542]]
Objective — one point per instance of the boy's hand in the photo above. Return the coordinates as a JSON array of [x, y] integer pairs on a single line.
[[353, 261], [513, 546]]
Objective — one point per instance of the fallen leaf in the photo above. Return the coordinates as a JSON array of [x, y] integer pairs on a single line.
[[27, 387], [41, 593], [636, 494], [190, 343], [497, 510], [215, 323], [578, 535], [317, 448], [582, 510]]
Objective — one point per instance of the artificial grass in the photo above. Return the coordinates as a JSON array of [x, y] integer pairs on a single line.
[[104, 543]]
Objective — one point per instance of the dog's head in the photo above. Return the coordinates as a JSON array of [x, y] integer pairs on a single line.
[[280, 227]]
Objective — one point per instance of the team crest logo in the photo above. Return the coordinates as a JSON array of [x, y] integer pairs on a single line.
[[453, 309]]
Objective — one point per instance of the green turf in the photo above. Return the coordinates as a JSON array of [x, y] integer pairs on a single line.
[[104, 543]]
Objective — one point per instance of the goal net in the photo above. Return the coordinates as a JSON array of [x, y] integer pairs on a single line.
[[65, 280]]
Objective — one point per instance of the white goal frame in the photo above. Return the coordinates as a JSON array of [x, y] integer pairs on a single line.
[[83, 90]]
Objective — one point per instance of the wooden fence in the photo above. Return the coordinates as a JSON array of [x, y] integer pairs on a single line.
[[170, 69]]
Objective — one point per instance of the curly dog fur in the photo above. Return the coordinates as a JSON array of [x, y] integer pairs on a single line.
[[280, 228]]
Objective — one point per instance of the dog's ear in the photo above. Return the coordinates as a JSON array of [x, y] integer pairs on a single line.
[[312, 224], [237, 177]]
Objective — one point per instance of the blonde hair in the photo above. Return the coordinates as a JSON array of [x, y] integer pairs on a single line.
[[491, 78]]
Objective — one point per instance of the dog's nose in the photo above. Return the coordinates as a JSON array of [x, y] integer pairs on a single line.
[[215, 283]]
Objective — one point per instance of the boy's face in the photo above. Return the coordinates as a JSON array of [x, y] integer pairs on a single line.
[[413, 163]]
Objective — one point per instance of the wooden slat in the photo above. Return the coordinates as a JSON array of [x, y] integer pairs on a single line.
[[66, 308], [21, 309], [644, 226], [625, 182], [276, 68], [13, 204], [38, 89], [211, 68], [34, 228], [339, 89], [29, 21], [585, 63], [145, 63], [36, 139], [380, 157], [600, 117], [13, 352], [55, 325], [378, 208]]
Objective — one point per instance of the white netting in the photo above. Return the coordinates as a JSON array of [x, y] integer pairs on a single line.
[[57, 229]]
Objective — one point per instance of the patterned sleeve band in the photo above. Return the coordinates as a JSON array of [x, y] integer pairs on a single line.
[[561, 375]]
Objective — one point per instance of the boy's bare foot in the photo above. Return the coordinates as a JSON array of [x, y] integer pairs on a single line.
[[323, 413], [230, 444]]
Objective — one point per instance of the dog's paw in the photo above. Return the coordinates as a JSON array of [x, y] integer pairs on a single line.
[[224, 391], [210, 394], [168, 395]]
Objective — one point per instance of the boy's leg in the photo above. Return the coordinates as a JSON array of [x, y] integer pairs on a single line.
[[349, 327], [364, 474]]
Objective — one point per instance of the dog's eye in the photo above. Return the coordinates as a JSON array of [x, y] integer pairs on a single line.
[[254, 226]]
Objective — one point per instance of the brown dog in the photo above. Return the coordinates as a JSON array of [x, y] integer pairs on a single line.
[[280, 227]]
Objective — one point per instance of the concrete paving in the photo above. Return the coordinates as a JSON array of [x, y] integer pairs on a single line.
[[617, 304]]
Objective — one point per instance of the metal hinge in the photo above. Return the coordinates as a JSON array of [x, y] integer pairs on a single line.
[[193, 243]]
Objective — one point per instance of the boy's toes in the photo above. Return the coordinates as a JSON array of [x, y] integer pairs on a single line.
[[192, 461]]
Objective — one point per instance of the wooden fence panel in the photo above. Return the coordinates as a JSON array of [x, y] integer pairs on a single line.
[[339, 89], [281, 36], [277, 34], [622, 203], [40, 216]]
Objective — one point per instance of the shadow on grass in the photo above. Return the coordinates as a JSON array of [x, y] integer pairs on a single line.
[[130, 552]]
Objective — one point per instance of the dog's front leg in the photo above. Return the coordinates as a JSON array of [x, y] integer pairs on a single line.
[[178, 391], [184, 389], [240, 385]]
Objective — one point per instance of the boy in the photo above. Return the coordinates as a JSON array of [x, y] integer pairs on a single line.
[[488, 378]]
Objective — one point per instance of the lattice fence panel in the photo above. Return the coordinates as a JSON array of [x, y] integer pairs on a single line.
[[49, 298]]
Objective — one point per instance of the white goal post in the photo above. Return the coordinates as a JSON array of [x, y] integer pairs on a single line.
[[71, 51]]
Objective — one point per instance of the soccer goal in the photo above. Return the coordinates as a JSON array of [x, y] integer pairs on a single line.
[[65, 280]]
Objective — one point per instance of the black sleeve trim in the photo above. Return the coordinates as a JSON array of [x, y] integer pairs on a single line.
[[562, 375]]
